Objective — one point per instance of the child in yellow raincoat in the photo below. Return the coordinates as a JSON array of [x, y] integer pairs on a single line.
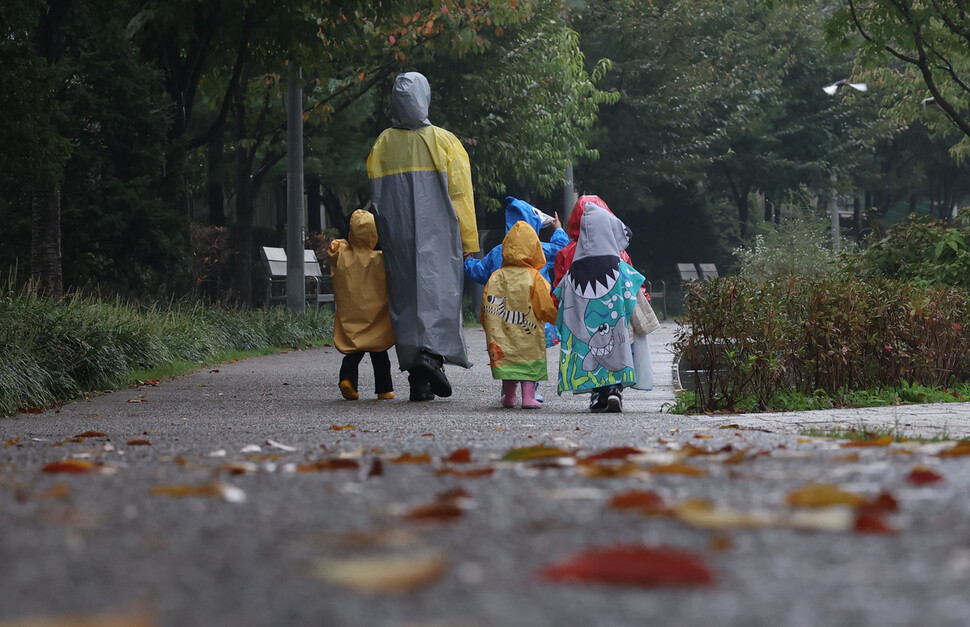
[[362, 323], [515, 305]]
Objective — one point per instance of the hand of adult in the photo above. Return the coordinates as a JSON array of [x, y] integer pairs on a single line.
[[466, 255]]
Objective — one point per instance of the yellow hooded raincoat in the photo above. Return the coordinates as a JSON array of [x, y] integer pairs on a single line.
[[363, 322], [515, 305]]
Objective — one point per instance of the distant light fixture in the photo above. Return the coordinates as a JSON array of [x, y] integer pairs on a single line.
[[834, 87]]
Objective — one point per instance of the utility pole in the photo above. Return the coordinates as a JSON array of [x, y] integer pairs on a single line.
[[295, 273], [834, 208]]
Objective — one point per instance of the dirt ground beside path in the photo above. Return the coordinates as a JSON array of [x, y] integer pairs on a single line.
[[252, 494]]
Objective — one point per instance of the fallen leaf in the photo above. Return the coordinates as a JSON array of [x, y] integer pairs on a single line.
[[472, 473], [823, 495], [805, 440], [885, 440], [850, 457], [228, 493], [138, 442], [720, 542], [92, 434], [736, 457], [867, 522], [11, 441], [703, 436], [339, 428], [238, 468], [436, 512], [329, 464], [644, 501], [460, 456], [959, 449], [633, 565], [526, 453], [920, 475], [608, 471], [70, 466], [388, 574], [621, 452], [407, 458], [689, 450], [427, 435], [376, 468], [56, 491]]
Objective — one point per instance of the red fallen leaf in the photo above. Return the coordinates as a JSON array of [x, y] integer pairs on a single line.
[[867, 522], [92, 434], [427, 435], [643, 500], [474, 473], [407, 458], [460, 456], [376, 468], [30, 410], [922, 476], [71, 466], [434, 512], [139, 442], [885, 502], [633, 565], [620, 452]]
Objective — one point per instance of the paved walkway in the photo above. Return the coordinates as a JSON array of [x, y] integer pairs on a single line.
[[252, 494]]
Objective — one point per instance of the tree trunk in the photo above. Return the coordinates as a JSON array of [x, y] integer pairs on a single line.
[[243, 233], [45, 232]]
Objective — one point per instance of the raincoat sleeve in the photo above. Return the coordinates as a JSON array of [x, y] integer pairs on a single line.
[[558, 240], [462, 195], [336, 247], [563, 258], [542, 303], [479, 270]]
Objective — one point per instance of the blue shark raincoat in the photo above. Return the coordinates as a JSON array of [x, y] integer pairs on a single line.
[[596, 299]]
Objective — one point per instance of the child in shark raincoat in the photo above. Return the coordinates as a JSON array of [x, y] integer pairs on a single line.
[[565, 256], [515, 304], [597, 297], [479, 270], [362, 323]]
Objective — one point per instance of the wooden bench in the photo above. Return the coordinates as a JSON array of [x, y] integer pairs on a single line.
[[319, 287]]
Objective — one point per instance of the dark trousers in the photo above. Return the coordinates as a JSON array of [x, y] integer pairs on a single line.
[[382, 369]]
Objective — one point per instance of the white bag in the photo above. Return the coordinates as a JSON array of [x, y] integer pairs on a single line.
[[642, 363]]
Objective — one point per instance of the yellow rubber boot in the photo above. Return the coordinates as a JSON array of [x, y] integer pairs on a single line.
[[348, 391]]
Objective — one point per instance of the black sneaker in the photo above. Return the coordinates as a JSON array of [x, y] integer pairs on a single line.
[[598, 402], [433, 367], [614, 401], [420, 387]]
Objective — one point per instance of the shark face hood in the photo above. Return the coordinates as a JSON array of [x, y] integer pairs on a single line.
[[410, 101], [596, 266]]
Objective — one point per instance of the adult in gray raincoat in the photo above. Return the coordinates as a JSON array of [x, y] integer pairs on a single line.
[[425, 210]]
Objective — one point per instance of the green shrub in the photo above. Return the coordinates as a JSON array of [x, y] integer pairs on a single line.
[[752, 340], [53, 350]]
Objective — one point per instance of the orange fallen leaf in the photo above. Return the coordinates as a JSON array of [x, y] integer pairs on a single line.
[[703, 436], [633, 565], [70, 466], [408, 458], [337, 463], [885, 440], [339, 428], [11, 441], [460, 456], [920, 475], [868, 522], [435, 512], [644, 501], [139, 442], [823, 495], [677, 469], [959, 449], [607, 471]]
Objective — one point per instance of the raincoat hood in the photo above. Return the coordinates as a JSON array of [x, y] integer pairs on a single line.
[[576, 215], [521, 247], [601, 233], [521, 211], [410, 100], [363, 230]]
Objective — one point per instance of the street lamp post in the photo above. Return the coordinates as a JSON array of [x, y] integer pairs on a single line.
[[295, 273]]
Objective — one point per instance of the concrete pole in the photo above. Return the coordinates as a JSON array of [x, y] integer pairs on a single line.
[[569, 195], [295, 273], [834, 208]]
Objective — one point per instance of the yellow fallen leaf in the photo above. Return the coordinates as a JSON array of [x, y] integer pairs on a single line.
[[385, 574], [885, 440], [823, 495]]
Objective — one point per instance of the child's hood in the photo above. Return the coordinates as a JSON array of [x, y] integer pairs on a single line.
[[521, 247], [363, 230], [521, 211], [601, 233], [576, 215]]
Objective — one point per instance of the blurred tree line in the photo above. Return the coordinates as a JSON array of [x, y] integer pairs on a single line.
[[138, 134]]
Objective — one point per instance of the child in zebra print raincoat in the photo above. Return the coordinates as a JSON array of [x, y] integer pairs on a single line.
[[515, 305]]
